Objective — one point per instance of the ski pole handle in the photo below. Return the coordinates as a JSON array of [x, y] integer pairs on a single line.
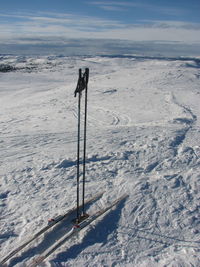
[[86, 75]]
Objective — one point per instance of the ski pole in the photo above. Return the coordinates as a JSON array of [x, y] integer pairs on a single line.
[[78, 143], [86, 78]]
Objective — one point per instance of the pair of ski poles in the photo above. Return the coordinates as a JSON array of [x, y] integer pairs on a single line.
[[81, 86]]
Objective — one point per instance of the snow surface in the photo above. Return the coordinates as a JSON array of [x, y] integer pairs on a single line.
[[143, 139]]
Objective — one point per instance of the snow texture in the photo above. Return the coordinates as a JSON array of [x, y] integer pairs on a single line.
[[143, 139]]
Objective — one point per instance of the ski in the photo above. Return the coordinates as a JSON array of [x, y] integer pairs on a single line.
[[75, 229], [52, 222]]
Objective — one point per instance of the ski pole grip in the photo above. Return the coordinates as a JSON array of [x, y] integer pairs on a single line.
[[80, 74], [86, 75]]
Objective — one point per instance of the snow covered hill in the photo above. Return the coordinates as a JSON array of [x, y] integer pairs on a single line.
[[143, 139]]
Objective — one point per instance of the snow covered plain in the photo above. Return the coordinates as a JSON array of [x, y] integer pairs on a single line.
[[143, 139]]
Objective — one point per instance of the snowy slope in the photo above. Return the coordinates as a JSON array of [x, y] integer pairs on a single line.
[[143, 139]]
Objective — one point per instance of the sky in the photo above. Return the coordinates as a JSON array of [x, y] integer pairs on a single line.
[[145, 20]]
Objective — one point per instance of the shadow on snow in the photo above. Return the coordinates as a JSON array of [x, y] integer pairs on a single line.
[[99, 234]]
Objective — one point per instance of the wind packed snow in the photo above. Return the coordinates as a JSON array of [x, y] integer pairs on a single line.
[[143, 140]]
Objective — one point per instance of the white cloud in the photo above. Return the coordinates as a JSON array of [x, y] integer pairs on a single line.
[[153, 34], [72, 26]]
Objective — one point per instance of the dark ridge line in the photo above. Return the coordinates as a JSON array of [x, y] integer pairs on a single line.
[[170, 58]]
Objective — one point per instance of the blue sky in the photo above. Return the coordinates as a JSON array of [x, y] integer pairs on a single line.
[[146, 20]]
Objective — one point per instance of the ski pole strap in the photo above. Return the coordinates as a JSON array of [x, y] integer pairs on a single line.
[[82, 81]]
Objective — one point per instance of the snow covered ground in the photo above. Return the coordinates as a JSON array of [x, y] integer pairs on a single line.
[[143, 139]]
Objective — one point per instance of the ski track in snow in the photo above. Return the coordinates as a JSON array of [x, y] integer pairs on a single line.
[[143, 139]]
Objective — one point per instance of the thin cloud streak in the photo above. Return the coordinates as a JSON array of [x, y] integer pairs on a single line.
[[113, 8], [124, 6], [64, 19]]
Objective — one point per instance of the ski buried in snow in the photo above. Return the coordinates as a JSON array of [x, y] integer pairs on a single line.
[[52, 222], [75, 229]]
